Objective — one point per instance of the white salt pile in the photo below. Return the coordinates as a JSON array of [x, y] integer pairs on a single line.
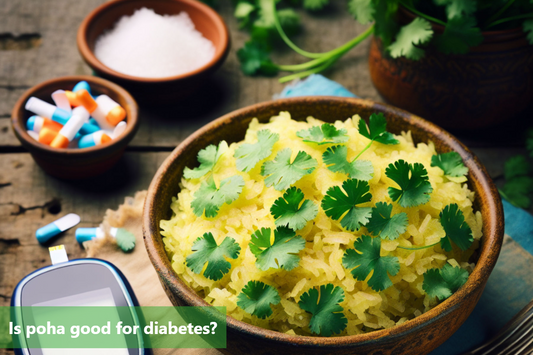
[[149, 45]]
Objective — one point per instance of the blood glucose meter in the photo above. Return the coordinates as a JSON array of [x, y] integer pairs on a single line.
[[81, 282]]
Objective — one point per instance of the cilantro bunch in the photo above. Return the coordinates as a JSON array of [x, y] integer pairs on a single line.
[[463, 22]]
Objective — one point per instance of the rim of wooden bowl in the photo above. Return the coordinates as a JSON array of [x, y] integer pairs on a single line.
[[486, 192]]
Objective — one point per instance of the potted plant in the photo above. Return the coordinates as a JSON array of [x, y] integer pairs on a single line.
[[461, 63]]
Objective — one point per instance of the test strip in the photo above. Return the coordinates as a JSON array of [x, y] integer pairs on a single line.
[[58, 254], [49, 231]]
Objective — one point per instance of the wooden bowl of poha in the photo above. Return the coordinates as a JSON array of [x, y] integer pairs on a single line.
[[417, 336]]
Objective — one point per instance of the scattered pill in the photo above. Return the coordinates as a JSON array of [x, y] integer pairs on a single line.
[[125, 239], [72, 98], [112, 111], [36, 123], [33, 135], [82, 85], [119, 129], [47, 135], [44, 109], [49, 231], [61, 100], [69, 130], [85, 234], [94, 139]]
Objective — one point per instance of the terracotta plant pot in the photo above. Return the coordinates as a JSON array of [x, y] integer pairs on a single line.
[[418, 336], [490, 84]]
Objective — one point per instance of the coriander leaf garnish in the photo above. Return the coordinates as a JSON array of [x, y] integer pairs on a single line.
[[413, 181], [325, 134], [409, 38], [457, 8], [451, 163], [444, 282], [517, 191], [290, 211], [255, 59], [207, 251], [257, 297], [361, 10], [376, 129], [209, 198], [281, 173], [282, 253], [248, 155], [314, 5], [208, 157], [365, 258], [339, 204], [457, 230], [335, 159], [382, 224], [459, 35], [327, 317]]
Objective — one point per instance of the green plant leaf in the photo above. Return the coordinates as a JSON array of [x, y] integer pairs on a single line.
[[361, 10], [207, 157], [457, 8], [517, 191], [289, 211], [451, 163], [257, 298], [376, 129], [382, 224], [410, 37], [315, 5], [248, 155], [324, 305], [207, 251], [528, 28], [325, 134], [457, 230], [281, 173], [342, 206], [366, 258], [442, 283], [282, 253], [335, 159], [413, 181], [517, 166], [459, 35], [254, 58], [209, 198]]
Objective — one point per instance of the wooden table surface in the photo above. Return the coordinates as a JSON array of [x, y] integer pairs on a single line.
[[38, 42]]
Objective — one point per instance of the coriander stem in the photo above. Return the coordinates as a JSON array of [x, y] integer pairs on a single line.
[[309, 72], [327, 56], [419, 248], [364, 150], [286, 39], [502, 10], [416, 12], [507, 19]]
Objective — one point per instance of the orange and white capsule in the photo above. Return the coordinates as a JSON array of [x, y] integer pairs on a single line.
[[94, 139], [36, 123], [47, 135], [104, 110], [69, 130]]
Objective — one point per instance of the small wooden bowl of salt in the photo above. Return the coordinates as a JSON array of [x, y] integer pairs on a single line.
[[160, 50]]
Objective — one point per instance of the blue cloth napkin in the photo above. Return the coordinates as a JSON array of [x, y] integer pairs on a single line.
[[509, 287]]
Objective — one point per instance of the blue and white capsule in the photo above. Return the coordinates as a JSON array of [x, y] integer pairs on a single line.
[[49, 231], [86, 234], [82, 85], [93, 139]]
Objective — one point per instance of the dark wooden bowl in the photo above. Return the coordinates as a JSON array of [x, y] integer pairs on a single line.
[[75, 163], [417, 336], [485, 87], [155, 90]]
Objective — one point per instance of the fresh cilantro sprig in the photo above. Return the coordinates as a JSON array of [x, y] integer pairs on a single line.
[[290, 211], [342, 206], [442, 283], [324, 305], [457, 230], [207, 157], [410, 38], [208, 198], [248, 155], [281, 253], [413, 181], [281, 173], [451, 163], [207, 251], [257, 298], [382, 224], [376, 130], [336, 160], [366, 258], [325, 134]]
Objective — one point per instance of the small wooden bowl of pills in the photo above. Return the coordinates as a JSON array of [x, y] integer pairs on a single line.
[[77, 126], [160, 50]]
